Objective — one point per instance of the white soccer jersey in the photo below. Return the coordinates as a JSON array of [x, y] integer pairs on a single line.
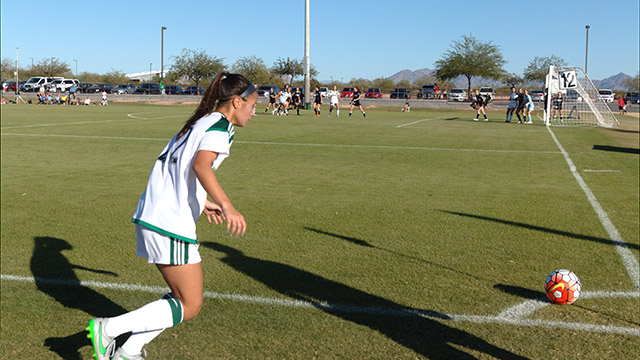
[[284, 96], [333, 96], [174, 198]]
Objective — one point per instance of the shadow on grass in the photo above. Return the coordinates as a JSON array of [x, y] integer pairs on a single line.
[[520, 291], [424, 335], [366, 244], [54, 275], [547, 230], [625, 150]]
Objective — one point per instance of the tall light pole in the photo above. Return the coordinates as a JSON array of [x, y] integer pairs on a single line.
[[150, 77], [307, 66], [586, 54], [162, 52], [17, 82], [76, 60]]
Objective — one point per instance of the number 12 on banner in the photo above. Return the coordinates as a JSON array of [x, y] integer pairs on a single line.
[[568, 80]]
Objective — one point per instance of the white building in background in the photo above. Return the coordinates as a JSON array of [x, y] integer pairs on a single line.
[[144, 76]]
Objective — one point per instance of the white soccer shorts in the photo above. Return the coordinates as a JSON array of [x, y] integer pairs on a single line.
[[162, 249]]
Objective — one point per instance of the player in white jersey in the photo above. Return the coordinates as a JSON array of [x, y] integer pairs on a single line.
[[165, 218], [283, 98], [334, 101]]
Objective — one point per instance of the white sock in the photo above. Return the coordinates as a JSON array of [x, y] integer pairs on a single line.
[[137, 341], [338, 112], [158, 315]]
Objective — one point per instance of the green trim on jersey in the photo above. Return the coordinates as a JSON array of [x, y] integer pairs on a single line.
[[163, 232], [221, 125]]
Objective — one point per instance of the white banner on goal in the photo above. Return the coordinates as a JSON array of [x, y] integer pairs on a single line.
[[573, 100]]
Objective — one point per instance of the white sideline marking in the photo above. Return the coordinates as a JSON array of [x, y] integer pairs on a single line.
[[628, 259], [341, 308], [529, 307], [297, 144], [417, 121], [90, 122], [603, 171]]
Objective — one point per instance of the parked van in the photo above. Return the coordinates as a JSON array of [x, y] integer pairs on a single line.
[[34, 83]]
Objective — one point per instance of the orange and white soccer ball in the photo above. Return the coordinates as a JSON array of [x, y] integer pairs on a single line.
[[562, 287]]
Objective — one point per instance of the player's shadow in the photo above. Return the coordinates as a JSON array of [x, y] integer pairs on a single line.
[[626, 150], [366, 244], [55, 276], [413, 328], [547, 230]]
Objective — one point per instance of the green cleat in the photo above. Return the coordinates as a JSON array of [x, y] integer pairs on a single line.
[[103, 345]]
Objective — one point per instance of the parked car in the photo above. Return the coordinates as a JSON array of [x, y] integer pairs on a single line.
[[11, 85], [173, 90], [324, 91], [148, 88], [98, 88], [428, 91], [347, 92], [63, 85], [606, 95], [34, 83], [485, 90], [537, 95], [632, 97], [457, 94], [263, 90], [373, 93], [400, 93], [194, 90], [124, 89], [82, 87]]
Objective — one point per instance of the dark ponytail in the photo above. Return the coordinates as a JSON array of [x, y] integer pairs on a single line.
[[223, 88]]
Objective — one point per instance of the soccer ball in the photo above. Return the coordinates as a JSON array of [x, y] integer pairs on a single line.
[[562, 287]]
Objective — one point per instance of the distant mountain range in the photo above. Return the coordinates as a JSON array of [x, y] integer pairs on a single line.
[[615, 82]]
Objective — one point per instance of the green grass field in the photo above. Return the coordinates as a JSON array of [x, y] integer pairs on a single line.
[[399, 236]]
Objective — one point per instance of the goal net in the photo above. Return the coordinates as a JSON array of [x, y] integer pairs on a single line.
[[573, 100]]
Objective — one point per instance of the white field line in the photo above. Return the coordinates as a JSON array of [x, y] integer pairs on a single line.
[[602, 171], [628, 259], [133, 116], [529, 307], [341, 308], [418, 121], [297, 144]]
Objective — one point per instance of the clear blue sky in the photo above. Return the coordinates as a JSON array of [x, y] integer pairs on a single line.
[[349, 39]]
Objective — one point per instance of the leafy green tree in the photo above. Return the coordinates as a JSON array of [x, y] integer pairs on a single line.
[[51, 67], [538, 68], [471, 57], [513, 79], [385, 84], [633, 84], [115, 77], [404, 83], [291, 68], [196, 65], [91, 78], [253, 68]]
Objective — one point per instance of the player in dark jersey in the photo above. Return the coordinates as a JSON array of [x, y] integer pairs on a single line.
[[479, 103], [317, 101], [557, 105], [356, 101], [272, 101], [296, 97], [520, 107]]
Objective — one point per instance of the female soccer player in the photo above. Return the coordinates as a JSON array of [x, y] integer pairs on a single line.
[[334, 101], [528, 107], [272, 101], [479, 105], [356, 101], [166, 215], [317, 101], [513, 103]]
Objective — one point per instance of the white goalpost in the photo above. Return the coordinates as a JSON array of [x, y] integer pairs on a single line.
[[573, 100]]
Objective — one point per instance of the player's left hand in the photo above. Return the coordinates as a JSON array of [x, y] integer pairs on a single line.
[[213, 211]]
